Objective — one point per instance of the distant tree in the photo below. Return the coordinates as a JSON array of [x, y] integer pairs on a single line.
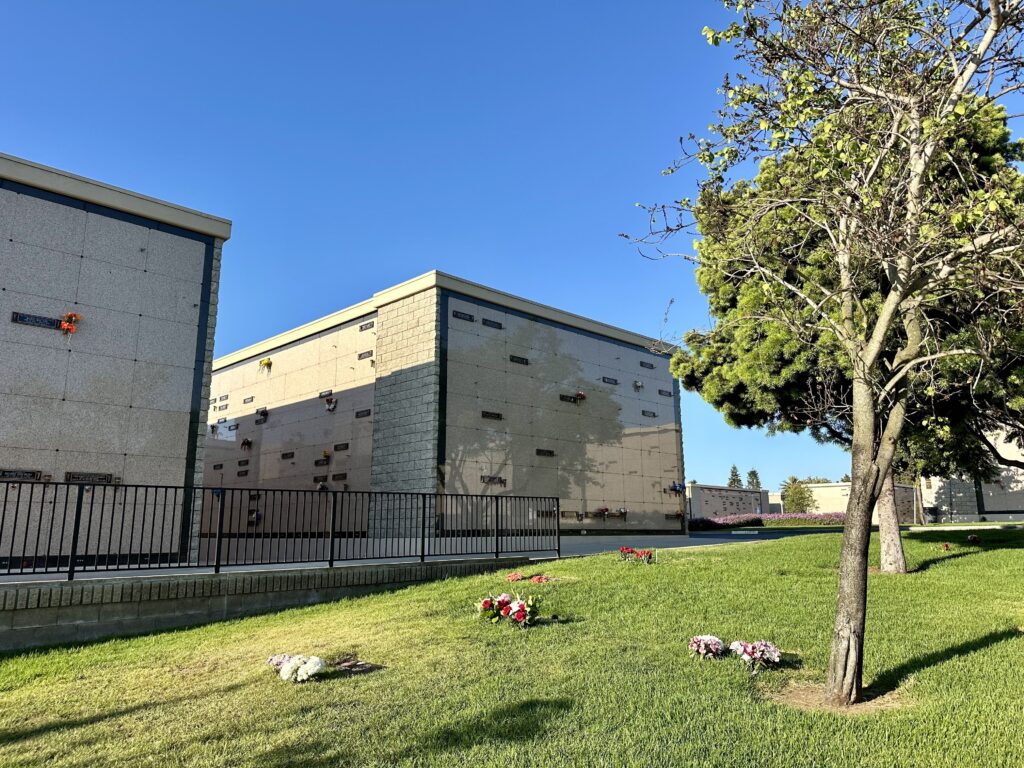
[[813, 479], [845, 478], [734, 478], [797, 497], [753, 480]]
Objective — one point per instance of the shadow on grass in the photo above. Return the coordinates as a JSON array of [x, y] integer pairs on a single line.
[[891, 679], [924, 565], [525, 721], [14, 735], [348, 666], [974, 542], [556, 619], [791, 661], [320, 753]]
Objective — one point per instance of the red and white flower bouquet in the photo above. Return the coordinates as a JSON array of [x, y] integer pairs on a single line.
[[517, 611]]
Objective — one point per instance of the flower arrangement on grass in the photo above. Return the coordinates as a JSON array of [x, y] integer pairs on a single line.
[[297, 668], [517, 611], [757, 655], [641, 556], [706, 646], [540, 578]]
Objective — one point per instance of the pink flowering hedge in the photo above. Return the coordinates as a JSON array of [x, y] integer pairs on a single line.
[[784, 519]]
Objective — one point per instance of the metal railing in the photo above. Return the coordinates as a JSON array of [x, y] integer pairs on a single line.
[[69, 528]]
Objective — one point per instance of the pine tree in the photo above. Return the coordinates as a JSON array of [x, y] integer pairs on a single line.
[[753, 480], [734, 478]]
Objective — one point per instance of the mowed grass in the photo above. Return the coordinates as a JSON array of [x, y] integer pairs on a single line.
[[613, 685]]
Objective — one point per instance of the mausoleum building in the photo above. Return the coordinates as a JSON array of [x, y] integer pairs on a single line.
[[107, 312], [440, 385]]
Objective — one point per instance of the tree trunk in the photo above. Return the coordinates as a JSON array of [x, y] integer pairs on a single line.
[[845, 678], [893, 560]]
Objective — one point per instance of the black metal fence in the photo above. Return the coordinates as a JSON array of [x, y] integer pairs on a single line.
[[68, 528]]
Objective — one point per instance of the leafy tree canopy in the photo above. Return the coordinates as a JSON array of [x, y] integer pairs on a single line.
[[793, 375]]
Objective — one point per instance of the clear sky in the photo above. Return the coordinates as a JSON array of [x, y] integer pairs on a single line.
[[358, 144]]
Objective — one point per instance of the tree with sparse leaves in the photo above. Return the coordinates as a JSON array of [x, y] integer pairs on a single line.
[[753, 480], [870, 240]]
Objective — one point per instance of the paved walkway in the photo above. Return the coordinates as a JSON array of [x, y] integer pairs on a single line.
[[576, 545], [572, 546]]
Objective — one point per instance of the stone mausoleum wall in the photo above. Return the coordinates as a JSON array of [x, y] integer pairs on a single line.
[[120, 399]]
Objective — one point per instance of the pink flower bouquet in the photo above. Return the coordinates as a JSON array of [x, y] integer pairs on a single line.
[[706, 646], [757, 655]]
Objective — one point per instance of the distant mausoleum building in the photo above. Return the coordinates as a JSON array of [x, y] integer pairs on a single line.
[[965, 500], [107, 313], [721, 501], [439, 385], [832, 498]]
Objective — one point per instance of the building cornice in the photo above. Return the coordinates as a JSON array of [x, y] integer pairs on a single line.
[[439, 280], [90, 191]]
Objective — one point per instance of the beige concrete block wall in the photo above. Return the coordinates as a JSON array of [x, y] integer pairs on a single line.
[[406, 395], [33, 615]]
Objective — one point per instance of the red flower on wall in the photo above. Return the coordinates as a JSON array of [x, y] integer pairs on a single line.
[[69, 323]]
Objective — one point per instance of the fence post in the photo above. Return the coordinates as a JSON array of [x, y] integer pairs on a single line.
[[423, 527], [74, 533], [558, 526], [497, 527], [220, 529], [334, 525]]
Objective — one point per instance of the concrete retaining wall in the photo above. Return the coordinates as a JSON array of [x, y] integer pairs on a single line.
[[38, 614]]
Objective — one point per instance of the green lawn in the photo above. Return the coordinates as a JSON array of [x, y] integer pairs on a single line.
[[612, 686]]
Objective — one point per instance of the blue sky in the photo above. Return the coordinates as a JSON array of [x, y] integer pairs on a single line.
[[355, 145]]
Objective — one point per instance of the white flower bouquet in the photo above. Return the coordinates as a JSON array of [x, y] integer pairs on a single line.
[[297, 668]]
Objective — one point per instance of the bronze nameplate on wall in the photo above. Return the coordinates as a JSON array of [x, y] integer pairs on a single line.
[[37, 321], [98, 478], [20, 474]]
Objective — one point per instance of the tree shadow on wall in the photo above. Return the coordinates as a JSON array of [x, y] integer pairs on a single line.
[[593, 421], [525, 721]]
